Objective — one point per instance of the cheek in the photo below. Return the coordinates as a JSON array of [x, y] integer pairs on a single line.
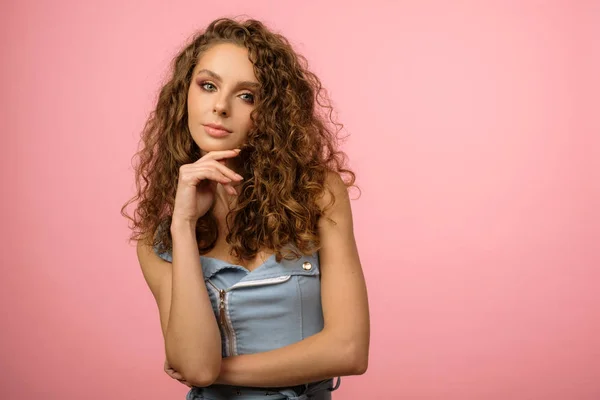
[[191, 103], [195, 100], [248, 120]]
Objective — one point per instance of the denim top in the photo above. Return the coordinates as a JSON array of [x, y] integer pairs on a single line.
[[274, 305]]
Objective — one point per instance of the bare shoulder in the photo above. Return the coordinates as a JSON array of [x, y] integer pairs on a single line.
[[336, 230], [335, 205], [334, 199]]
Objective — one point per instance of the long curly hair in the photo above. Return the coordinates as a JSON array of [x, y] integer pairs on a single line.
[[289, 152]]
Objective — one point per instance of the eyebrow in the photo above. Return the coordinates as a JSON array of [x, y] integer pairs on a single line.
[[254, 85]]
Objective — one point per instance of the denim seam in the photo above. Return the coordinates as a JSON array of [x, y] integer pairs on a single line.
[[300, 301], [233, 333], [314, 272]]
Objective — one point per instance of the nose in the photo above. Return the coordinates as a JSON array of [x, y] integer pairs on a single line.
[[220, 107]]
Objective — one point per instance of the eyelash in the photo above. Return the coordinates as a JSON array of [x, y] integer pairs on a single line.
[[203, 86]]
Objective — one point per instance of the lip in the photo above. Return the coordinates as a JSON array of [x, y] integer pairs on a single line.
[[216, 130]]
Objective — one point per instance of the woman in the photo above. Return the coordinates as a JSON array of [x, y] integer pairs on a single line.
[[244, 224]]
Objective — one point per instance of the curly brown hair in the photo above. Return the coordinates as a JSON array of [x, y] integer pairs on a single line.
[[289, 152]]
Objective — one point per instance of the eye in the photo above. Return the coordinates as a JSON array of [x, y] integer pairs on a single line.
[[248, 97], [209, 87]]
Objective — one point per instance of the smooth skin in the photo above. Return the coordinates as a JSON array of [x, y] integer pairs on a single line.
[[223, 92]]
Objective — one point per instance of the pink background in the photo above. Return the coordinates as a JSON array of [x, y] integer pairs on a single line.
[[475, 135]]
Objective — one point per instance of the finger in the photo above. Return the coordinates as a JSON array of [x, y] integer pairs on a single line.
[[201, 176], [211, 174], [217, 155], [224, 170], [230, 173], [230, 189], [176, 375], [170, 370], [219, 176]]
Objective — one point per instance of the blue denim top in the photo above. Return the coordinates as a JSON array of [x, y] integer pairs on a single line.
[[272, 306]]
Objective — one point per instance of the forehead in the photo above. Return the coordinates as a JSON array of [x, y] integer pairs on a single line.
[[228, 60]]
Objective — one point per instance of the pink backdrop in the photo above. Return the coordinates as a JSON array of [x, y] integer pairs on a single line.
[[475, 138]]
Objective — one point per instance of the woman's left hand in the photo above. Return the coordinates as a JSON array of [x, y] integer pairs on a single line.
[[175, 375]]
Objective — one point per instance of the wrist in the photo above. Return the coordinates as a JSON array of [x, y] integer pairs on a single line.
[[182, 225], [222, 378]]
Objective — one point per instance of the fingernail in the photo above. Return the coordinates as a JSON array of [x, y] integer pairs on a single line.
[[239, 176], [238, 150]]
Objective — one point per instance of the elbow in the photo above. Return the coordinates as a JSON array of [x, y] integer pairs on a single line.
[[197, 371], [201, 374], [203, 378], [359, 365], [353, 353], [358, 359]]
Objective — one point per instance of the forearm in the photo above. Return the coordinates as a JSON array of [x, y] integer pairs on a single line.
[[193, 341], [318, 357]]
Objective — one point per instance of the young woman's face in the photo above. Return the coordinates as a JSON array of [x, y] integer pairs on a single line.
[[222, 94]]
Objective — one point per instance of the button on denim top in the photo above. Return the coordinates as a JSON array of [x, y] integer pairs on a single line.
[[272, 306]]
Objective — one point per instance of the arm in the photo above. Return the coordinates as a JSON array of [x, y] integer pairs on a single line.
[[193, 341], [342, 347], [192, 338]]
